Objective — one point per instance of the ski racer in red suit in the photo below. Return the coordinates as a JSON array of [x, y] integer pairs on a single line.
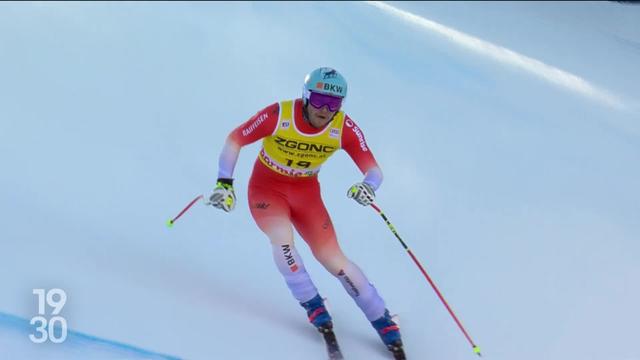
[[297, 137]]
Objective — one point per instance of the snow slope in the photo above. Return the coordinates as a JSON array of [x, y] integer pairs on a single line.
[[521, 197]]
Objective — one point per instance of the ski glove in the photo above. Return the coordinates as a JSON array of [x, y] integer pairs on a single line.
[[223, 196], [362, 193]]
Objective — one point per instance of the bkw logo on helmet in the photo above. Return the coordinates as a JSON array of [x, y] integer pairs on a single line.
[[331, 88]]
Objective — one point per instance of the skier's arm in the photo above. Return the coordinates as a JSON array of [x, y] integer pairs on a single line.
[[260, 125], [354, 143]]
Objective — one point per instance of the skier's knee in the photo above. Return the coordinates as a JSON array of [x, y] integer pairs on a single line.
[[333, 262]]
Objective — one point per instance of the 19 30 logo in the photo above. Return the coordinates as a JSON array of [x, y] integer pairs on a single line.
[[46, 330]]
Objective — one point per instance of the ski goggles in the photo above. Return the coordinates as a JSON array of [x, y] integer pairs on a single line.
[[318, 101]]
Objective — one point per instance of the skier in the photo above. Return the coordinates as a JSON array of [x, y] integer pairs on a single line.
[[284, 193]]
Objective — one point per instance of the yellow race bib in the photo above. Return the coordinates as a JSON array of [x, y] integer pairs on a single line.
[[293, 153]]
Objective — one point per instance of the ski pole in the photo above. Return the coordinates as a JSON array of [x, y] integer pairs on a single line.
[[476, 349], [171, 221]]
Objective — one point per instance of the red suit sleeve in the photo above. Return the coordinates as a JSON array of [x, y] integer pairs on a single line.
[[354, 143], [259, 126]]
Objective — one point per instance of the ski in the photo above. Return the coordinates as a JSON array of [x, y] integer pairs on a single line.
[[333, 349], [397, 350]]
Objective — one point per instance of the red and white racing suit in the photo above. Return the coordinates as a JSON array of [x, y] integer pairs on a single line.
[[284, 193]]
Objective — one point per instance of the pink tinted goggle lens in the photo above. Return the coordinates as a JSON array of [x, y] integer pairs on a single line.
[[318, 100]]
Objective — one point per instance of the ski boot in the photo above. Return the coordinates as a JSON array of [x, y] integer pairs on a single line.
[[320, 318], [317, 313], [389, 332]]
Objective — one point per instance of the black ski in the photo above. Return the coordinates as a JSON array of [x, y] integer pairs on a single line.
[[397, 350], [333, 349]]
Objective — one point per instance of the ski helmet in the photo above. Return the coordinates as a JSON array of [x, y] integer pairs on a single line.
[[324, 80]]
